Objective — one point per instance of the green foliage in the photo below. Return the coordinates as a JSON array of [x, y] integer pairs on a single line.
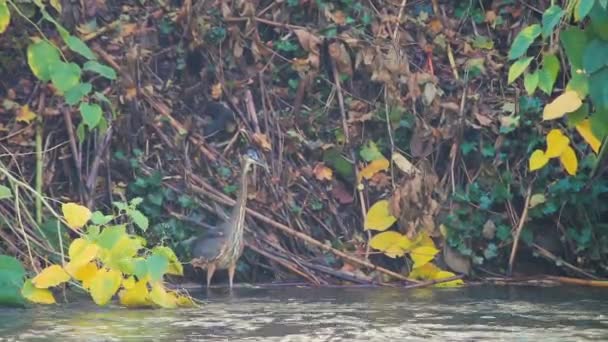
[[49, 64], [12, 276], [104, 259], [523, 40], [168, 230], [5, 192]]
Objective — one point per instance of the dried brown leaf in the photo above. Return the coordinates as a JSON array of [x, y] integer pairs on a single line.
[[308, 41], [322, 172], [262, 141]]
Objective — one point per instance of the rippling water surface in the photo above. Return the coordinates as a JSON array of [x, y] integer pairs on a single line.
[[307, 314]]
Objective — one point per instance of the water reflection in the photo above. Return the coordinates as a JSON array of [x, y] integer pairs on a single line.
[[304, 314]]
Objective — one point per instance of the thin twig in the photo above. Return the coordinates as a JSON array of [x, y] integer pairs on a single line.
[[522, 220]]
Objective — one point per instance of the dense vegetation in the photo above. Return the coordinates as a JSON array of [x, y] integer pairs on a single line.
[[406, 141]]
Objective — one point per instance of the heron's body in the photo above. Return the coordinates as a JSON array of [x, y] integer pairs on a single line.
[[222, 250]]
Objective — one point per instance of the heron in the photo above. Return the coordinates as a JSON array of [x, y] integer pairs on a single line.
[[223, 249]]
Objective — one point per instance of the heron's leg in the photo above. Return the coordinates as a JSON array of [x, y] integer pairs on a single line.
[[210, 271], [231, 270]]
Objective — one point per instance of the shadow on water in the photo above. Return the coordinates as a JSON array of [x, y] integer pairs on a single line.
[[331, 314]]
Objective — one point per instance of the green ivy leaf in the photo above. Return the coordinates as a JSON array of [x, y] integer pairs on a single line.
[[599, 90], [599, 21], [5, 192], [551, 18], [76, 93], [579, 82], [548, 74], [594, 57], [518, 68], [5, 16], [578, 115], [574, 41], [583, 8], [65, 75], [91, 114], [100, 69], [40, 57], [599, 123], [78, 46], [531, 82], [523, 40]]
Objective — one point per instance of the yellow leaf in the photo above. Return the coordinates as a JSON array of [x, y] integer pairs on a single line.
[[556, 143], [76, 215], [445, 274], [81, 252], [50, 276], [36, 295], [378, 217], [393, 244], [161, 297], [567, 102], [569, 161], [424, 272], [104, 285], [126, 247], [422, 255], [182, 300], [86, 274], [374, 167], [136, 296], [538, 159], [128, 283], [25, 114], [423, 239], [5, 16], [56, 5], [584, 129]]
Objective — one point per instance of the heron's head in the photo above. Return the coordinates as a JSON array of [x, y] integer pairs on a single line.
[[252, 157]]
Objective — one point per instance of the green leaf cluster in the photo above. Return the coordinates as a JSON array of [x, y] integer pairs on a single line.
[[12, 276], [49, 65]]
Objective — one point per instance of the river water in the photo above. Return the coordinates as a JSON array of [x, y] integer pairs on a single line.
[[331, 314]]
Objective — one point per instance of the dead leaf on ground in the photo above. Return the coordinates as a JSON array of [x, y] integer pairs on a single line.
[[322, 172], [483, 119], [403, 164], [338, 52], [414, 204], [436, 26], [340, 193], [262, 141], [308, 41]]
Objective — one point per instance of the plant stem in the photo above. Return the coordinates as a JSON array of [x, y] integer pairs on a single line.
[[39, 162]]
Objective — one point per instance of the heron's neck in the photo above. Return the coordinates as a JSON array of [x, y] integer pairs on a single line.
[[237, 216]]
